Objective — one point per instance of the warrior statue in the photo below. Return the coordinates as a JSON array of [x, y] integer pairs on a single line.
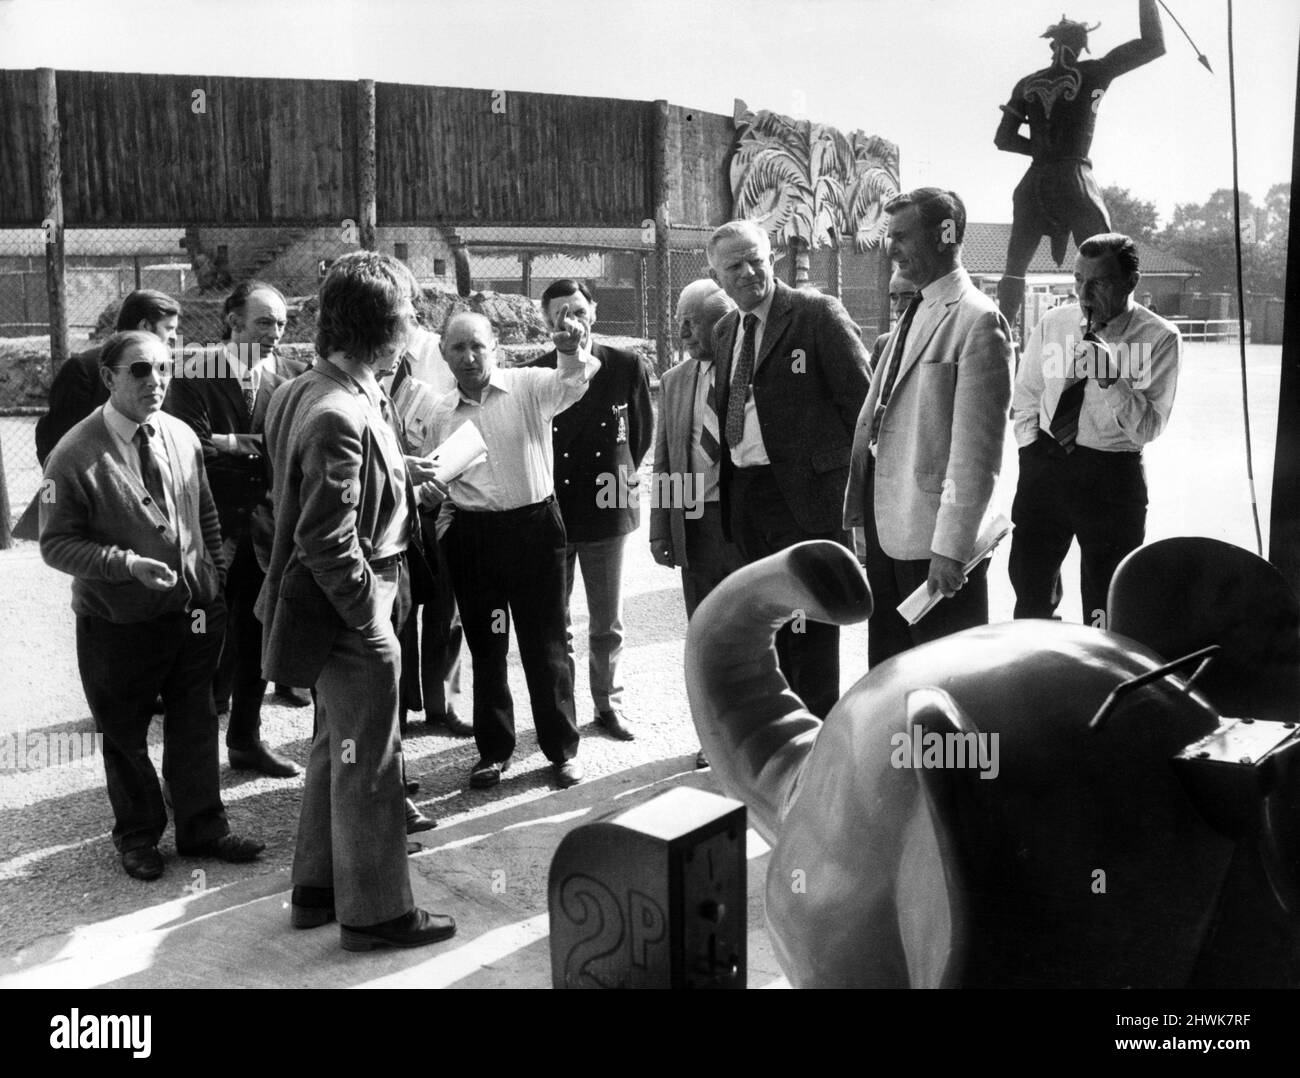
[[1058, 194]]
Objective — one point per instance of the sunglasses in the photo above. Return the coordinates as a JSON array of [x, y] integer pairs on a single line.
[[142, 368]]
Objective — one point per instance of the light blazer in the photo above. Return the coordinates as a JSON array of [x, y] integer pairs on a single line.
[[677, 393], [98, 509], [940, 441], [333, 487], [810, 378]]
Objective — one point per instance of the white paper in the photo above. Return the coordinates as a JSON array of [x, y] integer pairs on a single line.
[[461, 451], [921, 602]]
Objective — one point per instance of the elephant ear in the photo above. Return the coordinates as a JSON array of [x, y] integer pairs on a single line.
[[933, 921]]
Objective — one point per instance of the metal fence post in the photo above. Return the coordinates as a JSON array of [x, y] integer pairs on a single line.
[[663, 278], [52, 185]]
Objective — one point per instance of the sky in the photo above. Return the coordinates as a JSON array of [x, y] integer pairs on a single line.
[[927, 74]]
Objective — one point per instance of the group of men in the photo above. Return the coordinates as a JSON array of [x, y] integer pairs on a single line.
[[251, 520], [787, 429]]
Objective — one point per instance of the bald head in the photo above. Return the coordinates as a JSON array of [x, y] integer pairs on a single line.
[[699, 307], [469, 345]]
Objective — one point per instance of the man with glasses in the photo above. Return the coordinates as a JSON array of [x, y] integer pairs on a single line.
[[130, 517]]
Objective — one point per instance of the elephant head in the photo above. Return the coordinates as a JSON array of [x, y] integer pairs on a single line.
[[1026, 850]]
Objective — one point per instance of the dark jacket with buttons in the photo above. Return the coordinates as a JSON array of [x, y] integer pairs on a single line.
[[599, 444]]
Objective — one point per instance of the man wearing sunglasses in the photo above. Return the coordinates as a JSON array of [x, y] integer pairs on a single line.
[[130, 517]]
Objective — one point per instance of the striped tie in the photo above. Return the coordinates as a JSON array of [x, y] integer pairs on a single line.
[[709, 433], [892, 363], [740, 384], [1065, 419]]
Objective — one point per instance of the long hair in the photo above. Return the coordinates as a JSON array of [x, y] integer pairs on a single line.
[[360, 303]]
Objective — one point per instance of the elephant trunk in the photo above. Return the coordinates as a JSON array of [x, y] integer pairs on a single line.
[[756, 731]]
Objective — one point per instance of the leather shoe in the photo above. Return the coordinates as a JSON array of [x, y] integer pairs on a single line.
[[290, 697], [312, 907], [453, 724], [413, 929], [567, 774], [701, 761], [143, 862], [486, 773], [260, 758], [614, 724], [417, 820], [230, 847]]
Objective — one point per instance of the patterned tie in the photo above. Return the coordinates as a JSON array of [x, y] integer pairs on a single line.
[[740, 384], [250, 393], [149, 470], [892, 363], [1065, 419], [709, 419]]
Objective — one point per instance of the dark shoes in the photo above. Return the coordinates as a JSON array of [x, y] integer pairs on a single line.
[[701, 761], [417, 820], [452, 724], [414, 929], [312, 907], [143, 863], [567, 774], [260, 758], [290, 697], [230, 847], [487, 773], [614, 724]]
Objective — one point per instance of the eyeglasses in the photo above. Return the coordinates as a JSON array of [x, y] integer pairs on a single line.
[[142, 368]]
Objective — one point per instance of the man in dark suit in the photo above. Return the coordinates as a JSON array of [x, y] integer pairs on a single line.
[[223, 396], [791, 376], [344, 512], [132, 520], [599, 444]]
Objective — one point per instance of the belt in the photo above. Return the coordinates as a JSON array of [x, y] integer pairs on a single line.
[[506, 514], [385, 562]]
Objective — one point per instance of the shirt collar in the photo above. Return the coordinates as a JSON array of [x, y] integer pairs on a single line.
[[123, 427], [496, 380], [1119, 324], [762, 310], [947, 288]]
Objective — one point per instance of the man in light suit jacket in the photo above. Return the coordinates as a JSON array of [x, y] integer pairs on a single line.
[[790, 380], [129, 515], [344, 515], [928, 444]]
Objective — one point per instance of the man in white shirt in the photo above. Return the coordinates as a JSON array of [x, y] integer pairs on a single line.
[[506, 542], [1095, 385]]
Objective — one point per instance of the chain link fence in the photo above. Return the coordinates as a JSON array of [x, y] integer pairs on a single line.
[[199, 265]]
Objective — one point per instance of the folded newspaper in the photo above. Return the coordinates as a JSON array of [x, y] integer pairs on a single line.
[[461, 451], [921, 601]]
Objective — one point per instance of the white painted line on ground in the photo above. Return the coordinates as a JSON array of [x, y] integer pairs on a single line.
[[445, 969]]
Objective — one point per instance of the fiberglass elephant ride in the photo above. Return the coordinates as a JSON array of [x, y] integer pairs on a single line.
[[1054, 852]]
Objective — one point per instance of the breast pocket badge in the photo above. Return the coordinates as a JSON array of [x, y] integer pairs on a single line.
[[620, 415]]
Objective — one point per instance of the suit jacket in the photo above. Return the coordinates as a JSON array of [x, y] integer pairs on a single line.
[[940, 442], [77, 390], [677, 392], [209, 398], [604, 436], [877, 350], [333, 486], [99, 509], [810, 378]]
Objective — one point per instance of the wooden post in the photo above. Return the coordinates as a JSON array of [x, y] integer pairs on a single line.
[[642, 296], [52, 189], [526, 274], [366, 162], [836, 285], [660, 192]]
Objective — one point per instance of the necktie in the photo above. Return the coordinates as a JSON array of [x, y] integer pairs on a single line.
[[249, 391], [893, 362], [740, 384], [1065, 419], [149, 470], [709, 419]]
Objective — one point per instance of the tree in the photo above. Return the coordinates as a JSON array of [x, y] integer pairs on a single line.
[[1203, 235], [1130, 215]]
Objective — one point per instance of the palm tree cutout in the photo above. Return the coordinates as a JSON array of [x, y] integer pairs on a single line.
[[808, 185]]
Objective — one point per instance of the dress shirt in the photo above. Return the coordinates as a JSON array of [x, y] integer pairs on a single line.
[[236, 369], [514, 418], [393, 536], [123, 431], [700, 462], [750, 453], [1145, 349]]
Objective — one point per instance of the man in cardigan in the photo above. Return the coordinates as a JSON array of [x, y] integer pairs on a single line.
[[130, 517], [599, 444]]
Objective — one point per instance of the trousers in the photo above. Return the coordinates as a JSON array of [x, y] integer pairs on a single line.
[[601, 561]]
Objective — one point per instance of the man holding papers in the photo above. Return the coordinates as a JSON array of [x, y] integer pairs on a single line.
[[506, 543], [929, 439]]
